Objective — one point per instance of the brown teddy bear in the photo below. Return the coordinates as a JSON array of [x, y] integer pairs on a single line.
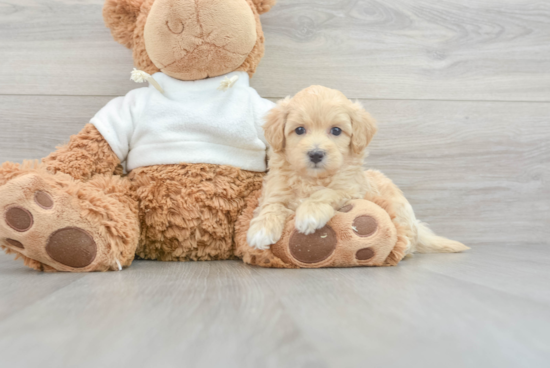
[[194, 150]]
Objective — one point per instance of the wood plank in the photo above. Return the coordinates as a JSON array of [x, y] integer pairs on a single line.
[[204, 314], [430, 319], [209, 314], [18, 285], [477, 172], [60, 47], [519, 269], [32, 126], [397, 49], [410, 49]]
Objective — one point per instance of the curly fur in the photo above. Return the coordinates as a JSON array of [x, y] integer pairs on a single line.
[[120, 17], [188, 211], [168, 212], [87, 154], [105, 203], [295, 184], [267, 258], [315, 190], [176, 212], [263, 258]]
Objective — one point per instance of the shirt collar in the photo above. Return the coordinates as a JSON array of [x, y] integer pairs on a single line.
[[170, 84]]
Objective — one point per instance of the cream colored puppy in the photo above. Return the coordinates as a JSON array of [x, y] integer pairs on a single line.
[[318, 143]]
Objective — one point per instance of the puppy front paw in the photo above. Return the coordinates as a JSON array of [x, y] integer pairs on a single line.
[[311, 216], [262, 234]]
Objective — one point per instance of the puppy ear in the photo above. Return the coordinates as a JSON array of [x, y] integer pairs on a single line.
[[363, 128], [263, 6], [274, 127], [121, 16]]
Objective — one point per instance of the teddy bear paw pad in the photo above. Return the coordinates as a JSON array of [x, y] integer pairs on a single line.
[[44, 200], [15, 243], [313, 248], [364, 226], [44, 223], [72, 247], [19, 219], [364, 254], [360, 234]]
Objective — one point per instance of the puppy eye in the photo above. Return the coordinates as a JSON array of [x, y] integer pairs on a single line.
[[336, 131], [300, 130]]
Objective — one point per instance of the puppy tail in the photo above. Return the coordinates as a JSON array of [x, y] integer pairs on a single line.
[[429, 242]]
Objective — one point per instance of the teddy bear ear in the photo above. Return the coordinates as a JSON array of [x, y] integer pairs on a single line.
[[121, 16], [263, 6]]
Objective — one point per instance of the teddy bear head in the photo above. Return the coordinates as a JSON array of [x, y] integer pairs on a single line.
[[190, 39]]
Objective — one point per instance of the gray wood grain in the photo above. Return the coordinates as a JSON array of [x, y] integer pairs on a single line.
[[451, 49], [18, 285], [410, 316], [478, 172], [519, 270], [424, 312], [157, 314]]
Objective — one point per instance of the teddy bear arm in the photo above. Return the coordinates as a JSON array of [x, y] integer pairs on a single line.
[[87, 154]]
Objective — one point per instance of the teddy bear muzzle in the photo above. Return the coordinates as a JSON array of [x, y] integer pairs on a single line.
[[182, 35]]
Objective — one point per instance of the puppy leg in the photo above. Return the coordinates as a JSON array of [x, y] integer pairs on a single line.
[[267, 228], [311, 216], [319, 208], [420, 238], [270, 216], [428, 242]]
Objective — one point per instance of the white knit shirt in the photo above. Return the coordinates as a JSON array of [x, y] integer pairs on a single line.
[[192, 122]]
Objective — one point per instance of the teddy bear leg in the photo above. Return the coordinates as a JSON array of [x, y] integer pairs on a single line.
[[188, 211], [361, 233], [249, 255], [58, 224]]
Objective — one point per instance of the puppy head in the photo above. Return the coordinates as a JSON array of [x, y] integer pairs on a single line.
[[319, 130]]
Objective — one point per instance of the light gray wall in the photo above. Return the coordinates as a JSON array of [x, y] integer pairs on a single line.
[[461, 90]]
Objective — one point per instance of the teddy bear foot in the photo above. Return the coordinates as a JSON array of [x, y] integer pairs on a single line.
[[360, 234], [42, 222]]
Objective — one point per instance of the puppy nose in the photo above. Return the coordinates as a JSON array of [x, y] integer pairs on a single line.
[[316, 156]]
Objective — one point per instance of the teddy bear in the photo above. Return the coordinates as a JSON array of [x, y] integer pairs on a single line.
[[173, 171]]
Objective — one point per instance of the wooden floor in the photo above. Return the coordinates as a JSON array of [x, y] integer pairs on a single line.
[[486, 308], [461, 90]]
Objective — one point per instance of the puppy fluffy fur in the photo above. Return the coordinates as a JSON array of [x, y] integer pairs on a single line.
[[318, 143]]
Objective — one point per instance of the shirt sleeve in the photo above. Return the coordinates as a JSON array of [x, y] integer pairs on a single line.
[[116, 121], [261, 106]]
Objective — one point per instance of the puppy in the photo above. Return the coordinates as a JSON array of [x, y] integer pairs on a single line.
[[318, 143]]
